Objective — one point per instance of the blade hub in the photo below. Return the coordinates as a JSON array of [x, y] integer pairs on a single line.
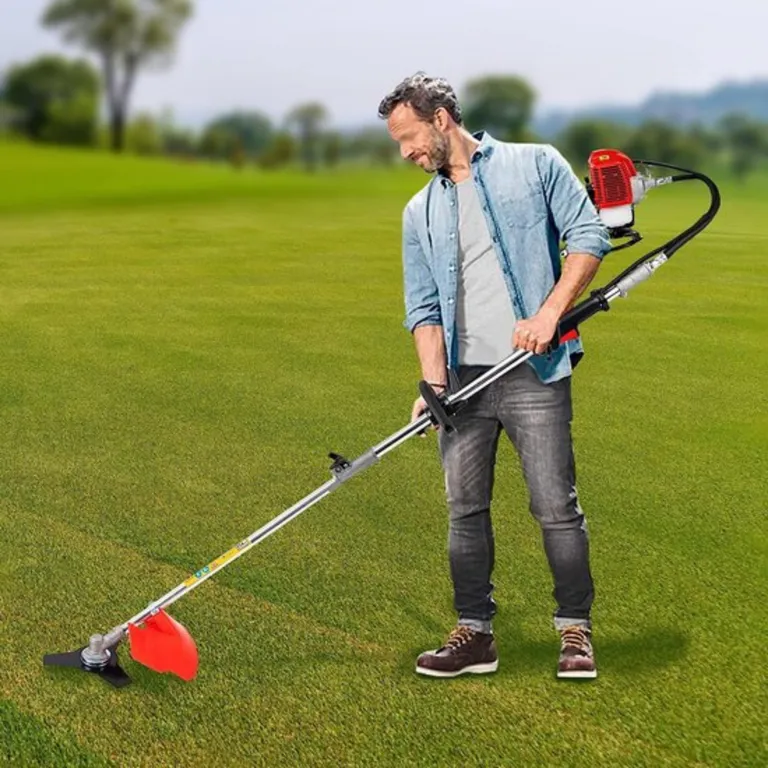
[[95, 656]]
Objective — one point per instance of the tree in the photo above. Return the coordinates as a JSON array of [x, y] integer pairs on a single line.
[[746, 142], [658, 140], [332, 148], [581, 137], [143, 135], [217, 143], [308, 121], [708, 138], [178, 141], [126, 35], [253, 130], [499, 104], [374, 145], [54, 99], [280, 152], [9, 116], [175, 140]]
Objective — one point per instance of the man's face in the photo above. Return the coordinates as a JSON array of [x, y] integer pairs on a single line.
[[420, 142]]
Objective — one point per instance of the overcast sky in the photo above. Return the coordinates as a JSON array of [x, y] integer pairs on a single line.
[[348, 53]]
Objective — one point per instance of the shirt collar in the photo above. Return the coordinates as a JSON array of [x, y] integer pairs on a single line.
[[483, 151], [487, 144]]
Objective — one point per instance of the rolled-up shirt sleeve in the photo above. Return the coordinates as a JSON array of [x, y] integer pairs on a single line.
[[574, 214], [422, 300]]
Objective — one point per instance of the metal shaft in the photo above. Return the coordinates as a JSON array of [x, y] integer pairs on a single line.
[[359, 464], [367, 459], [275, 524]]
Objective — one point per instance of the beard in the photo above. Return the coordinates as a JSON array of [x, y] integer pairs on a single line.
[[438, 153]]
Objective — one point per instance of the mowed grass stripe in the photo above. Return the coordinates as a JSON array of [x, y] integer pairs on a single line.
[[44, 180], [27, 741]]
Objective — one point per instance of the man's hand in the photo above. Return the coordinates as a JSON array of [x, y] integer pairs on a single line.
[[535, 333], [419, 406]]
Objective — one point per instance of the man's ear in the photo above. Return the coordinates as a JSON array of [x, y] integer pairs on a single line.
[[441, 118]]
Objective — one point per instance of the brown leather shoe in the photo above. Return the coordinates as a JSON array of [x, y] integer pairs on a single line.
[[577, 658], [465, 651]]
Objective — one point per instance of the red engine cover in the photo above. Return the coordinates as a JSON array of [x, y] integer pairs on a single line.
[[611, 172]]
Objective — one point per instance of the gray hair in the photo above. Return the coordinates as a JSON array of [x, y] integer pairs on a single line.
[[425, 95]]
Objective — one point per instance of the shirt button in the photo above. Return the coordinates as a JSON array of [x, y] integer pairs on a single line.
[[450, 301], [453, 235]]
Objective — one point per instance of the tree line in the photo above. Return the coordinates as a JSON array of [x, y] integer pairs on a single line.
[[58, 100]]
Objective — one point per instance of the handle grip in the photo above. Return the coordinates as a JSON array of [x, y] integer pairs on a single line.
[[437, 410]]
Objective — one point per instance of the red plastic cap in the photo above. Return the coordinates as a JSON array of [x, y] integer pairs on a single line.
[[164, 645]]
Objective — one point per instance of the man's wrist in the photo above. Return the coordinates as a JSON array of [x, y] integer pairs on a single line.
[[551, 313]]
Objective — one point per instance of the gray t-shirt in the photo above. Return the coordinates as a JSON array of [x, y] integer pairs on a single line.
[[484, 315]]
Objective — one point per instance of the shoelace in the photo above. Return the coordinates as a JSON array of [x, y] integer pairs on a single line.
[[459, 636], [576, 637]]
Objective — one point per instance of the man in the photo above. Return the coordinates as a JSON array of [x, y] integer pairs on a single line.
[[483, 276]]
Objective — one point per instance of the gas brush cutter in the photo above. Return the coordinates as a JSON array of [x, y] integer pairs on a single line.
[[615, 186]]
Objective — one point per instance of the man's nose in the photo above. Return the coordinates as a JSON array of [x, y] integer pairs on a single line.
[[405, 152]]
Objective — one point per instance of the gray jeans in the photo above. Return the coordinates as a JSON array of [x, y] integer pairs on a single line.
[[537, 419]]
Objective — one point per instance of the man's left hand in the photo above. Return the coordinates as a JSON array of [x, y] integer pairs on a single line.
[[535, 333]]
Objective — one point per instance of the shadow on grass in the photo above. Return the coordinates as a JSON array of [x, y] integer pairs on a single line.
[[645, 651]]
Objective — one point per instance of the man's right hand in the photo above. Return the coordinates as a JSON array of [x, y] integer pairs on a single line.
[[420, 405]]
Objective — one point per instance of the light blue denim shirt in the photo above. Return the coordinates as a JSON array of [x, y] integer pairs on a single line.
[[532, 201]]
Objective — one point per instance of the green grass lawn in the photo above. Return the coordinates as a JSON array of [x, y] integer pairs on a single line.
[[181, 348]]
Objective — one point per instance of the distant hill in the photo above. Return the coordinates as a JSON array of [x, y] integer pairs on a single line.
[[750, 98]]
